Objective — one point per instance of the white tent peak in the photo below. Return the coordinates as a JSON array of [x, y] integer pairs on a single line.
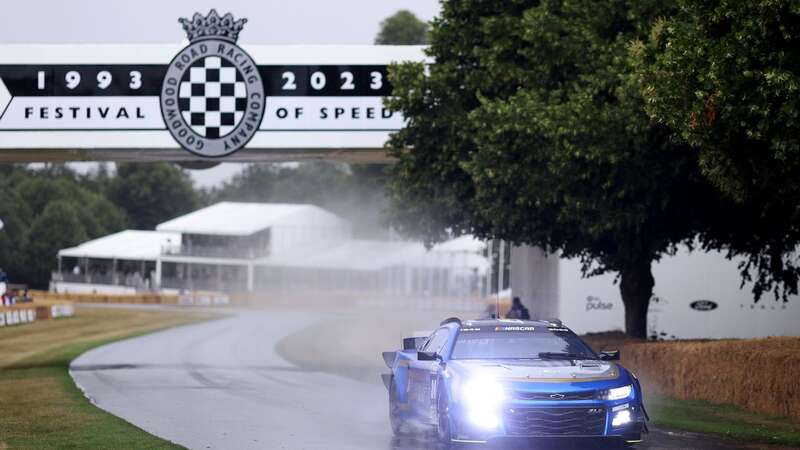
[[236, 218], [128, 244]]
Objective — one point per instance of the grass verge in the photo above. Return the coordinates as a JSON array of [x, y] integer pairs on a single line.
[[40, 406], [727, 421]]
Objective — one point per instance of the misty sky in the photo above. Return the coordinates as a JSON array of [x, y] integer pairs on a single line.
[[156, 21]]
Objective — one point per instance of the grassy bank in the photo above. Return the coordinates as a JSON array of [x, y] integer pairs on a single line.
[[728, 421], [41, 408]]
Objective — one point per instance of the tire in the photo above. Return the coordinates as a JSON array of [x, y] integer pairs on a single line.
[[444, 431], [399, 425]]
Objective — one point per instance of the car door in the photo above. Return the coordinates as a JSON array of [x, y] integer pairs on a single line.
[[423, 374]]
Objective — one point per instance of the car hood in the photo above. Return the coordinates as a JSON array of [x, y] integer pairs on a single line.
[[544, 371]]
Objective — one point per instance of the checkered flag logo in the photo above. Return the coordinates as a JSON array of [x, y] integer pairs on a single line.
[[208, 105], [212, 97]]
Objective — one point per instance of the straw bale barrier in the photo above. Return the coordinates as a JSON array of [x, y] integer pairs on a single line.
[[139, 299], [761, 375]]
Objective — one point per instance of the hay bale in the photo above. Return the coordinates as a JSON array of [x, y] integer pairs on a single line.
[[756, 374]]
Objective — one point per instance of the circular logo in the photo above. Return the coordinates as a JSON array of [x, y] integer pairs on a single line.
[[703, 305], [212, 98]]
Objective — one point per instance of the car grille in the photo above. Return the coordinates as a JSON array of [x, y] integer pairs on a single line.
[[555, 421], [525, 395]]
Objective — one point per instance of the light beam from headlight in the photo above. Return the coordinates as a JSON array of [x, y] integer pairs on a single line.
[[621, 418], [618, 393], [483, 398]]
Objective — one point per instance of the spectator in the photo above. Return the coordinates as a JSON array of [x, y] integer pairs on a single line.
[[518, 310], [3, 282]]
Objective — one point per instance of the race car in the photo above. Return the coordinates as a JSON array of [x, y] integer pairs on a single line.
[[486, 380]]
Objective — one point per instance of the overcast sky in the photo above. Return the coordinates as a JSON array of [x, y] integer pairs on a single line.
[[156, 21]]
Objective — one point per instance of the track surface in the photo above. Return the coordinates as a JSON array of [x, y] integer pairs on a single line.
[[221, 385]]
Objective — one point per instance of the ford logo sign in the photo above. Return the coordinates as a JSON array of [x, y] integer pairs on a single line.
[[703, 305]]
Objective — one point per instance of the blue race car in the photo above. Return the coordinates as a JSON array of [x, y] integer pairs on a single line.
[[484, 380]]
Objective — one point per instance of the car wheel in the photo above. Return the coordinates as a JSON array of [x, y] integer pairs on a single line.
[[399, 425], [444, 431]]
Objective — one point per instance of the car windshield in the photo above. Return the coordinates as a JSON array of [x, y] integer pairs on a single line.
[[507, 343]]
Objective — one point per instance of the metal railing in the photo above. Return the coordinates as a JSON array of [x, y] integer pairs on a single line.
[[204, 284], [217, 252]]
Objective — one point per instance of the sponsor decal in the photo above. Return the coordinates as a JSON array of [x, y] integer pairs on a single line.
[[470, 329], [558, 329], [703, 305], [514, 329], [596, 303]]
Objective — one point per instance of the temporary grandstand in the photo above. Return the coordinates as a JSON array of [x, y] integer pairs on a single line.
[[276, 248]]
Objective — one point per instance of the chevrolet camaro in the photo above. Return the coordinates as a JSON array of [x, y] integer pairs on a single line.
[[477, 381]]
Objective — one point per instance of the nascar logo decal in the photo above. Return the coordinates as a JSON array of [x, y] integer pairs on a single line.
[[212, 97]]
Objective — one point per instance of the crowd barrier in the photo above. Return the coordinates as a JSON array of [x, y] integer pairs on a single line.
[[139, 299], [27, 313], [204, 299], [199, 298]]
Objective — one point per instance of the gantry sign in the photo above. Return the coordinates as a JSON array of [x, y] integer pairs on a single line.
[[210, 98]]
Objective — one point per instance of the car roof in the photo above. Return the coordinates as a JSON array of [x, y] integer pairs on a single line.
[[511, 322]]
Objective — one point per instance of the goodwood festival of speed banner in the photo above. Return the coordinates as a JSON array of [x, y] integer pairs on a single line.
[[211, 97]]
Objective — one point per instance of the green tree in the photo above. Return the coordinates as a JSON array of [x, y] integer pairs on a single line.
[[59, 226], [402, 28], [33, 234], [151, 193], [530, 128], [14, 235], [725, 76]]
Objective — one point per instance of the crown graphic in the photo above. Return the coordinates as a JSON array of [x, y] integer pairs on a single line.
[[212, 26]]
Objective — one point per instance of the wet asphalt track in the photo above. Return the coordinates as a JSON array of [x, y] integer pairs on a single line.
[[221, 385]]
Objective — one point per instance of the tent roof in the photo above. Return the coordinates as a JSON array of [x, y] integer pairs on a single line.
[[128, 244], [365, 255], [233, 218]]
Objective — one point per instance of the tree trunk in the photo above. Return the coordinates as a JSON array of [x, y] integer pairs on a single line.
[[636, 287]]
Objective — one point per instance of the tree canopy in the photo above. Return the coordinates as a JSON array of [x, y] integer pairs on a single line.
[[530, 127], [725, 77], [402, 28], [151, 193], [47, 210]]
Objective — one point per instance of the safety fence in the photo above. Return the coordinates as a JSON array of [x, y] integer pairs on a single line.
[[28, 313]]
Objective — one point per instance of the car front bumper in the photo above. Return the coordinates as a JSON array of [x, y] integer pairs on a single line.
[[582, 420]]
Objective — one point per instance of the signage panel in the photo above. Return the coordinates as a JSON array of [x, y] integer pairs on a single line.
[[211, 97]]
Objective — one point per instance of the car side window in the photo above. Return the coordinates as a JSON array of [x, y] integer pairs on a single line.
[[440, 344], [436, 342]]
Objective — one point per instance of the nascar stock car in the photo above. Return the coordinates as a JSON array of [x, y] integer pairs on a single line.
[[486, 380]]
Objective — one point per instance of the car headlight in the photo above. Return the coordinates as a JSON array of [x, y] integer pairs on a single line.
[[622, 418], [483, 398], [618, 393], [483, 393]]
